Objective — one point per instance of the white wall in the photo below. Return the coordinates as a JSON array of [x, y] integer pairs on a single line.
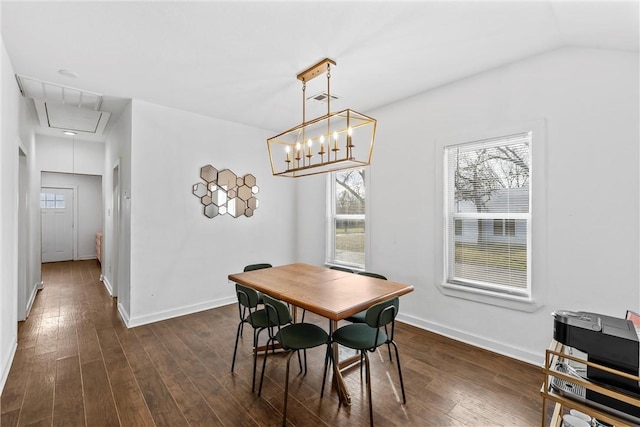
[[180, 259], [34, 277], [89, 203], [9, 139], [588, 257]]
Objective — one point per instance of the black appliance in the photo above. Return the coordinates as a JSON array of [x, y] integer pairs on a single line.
[[607, 341]]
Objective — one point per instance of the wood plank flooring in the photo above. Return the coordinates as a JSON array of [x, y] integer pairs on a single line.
[[78, 365]]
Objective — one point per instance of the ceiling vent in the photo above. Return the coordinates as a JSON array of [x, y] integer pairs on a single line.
[[65, 108], [322, 97]]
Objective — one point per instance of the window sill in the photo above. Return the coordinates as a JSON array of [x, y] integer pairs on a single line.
[[483, 296]]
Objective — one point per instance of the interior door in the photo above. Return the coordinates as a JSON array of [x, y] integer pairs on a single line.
[[56, 209]]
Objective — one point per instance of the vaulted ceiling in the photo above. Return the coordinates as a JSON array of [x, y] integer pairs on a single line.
[[238, 60]]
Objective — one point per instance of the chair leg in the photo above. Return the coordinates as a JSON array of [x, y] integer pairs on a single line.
[[368, 369], [328, 358], [404, 398], [388, 346], [235, 349], [299, 360], [264, 363], [286, 390], [256, 336]]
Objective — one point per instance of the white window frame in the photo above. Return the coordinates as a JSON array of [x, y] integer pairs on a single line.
[[537, 225], [330, 257]]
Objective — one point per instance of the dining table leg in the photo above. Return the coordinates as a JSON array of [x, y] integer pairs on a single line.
[[343, 392]]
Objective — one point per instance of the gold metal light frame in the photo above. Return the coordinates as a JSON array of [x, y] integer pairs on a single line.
[[335, 141]]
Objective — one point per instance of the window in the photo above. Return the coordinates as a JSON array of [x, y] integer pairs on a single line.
[[503, 227], [497, 227], [346, 241], [49, 200], [458, 227], [487, 211]]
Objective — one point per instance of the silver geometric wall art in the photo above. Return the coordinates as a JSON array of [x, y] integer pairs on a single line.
[[223, 192]]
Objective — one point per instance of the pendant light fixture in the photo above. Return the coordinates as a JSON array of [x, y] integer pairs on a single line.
[[334, 141]]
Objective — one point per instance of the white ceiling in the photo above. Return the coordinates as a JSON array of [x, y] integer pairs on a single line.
[[239, 60]]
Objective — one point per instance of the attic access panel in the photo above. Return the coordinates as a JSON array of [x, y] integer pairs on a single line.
[[70, 117], [65, 108]]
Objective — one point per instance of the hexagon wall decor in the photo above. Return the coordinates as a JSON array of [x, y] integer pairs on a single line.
[[223, 192]]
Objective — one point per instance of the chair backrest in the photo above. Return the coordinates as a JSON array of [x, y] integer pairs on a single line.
[[252, 267], [376, 275], [383, 313], [277, 312], [335, 267], [247, 297]]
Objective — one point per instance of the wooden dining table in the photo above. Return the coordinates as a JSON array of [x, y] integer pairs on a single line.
[[333, 294]]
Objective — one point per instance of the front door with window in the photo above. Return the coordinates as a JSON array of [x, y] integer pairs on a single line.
[[56, 209]]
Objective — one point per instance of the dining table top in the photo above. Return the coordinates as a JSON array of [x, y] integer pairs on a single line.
[[333, 294]]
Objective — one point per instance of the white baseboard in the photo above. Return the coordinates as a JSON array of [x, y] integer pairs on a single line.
[[85, 257], [6, 365], [107, 284], [32, 297], [181, 311], [494, 346], [124, 315]]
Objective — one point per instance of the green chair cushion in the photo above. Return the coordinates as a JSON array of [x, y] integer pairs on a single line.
[[359, 336], [258, 319], [300, 336]]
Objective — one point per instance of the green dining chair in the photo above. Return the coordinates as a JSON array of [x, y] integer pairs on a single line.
[[292, 337], [367, 337], [259, 266], [256, 318], [347, 270], [360, 317]]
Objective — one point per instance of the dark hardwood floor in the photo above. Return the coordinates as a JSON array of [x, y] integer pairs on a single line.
[[78, 365]]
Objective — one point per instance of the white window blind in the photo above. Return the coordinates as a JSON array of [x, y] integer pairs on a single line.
[[487, 229], [346, 226]]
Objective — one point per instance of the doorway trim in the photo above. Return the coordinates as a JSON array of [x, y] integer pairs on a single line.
[[24, 301], [116, 208]]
